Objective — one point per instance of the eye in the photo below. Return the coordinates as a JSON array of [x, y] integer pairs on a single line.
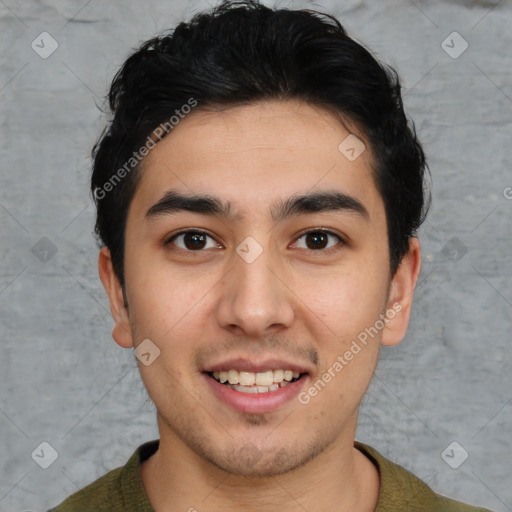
[[196, 241], [318, 239], [192, 241]]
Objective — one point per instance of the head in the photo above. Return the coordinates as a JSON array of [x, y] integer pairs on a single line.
[[243, 125]]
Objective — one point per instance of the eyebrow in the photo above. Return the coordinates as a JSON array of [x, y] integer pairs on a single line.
[[173, 201]]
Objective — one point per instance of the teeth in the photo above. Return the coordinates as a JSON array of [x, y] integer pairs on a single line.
[[233, 377], [247, 378], [264, 380], [257, 389], [245, 389], [278, 375]]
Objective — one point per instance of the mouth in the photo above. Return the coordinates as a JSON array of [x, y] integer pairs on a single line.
[[255, 392], [256, 382]]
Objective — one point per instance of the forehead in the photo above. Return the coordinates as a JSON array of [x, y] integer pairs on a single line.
[[254, 155]]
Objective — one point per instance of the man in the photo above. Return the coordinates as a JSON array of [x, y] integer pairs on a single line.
[[258, 192]]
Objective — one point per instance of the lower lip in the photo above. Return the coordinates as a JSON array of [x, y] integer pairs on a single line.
[[255, 403]]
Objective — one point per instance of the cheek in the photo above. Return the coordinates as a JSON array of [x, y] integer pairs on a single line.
[[346, 301], [160, 293], [161, 311], [170, 307]]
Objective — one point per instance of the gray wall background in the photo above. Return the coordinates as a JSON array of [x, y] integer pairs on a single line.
[[63, 379]]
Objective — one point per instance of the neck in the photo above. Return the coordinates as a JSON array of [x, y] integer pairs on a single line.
[[340, 478]]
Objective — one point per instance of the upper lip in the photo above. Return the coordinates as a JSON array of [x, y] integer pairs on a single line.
[[250, 365]]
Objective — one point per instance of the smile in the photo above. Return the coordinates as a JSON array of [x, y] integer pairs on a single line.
[[250, 382]]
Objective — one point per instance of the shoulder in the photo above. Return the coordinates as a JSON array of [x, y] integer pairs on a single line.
[[401, 491], [96, 496], [449, 505], [119, 489]]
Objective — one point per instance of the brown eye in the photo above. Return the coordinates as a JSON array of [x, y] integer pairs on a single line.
[[192, 241], [319, 240]]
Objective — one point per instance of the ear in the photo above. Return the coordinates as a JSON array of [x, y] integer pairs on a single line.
[[401, 295], [121, 332]]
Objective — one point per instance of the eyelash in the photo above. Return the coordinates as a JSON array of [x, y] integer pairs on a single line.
[[337, 247]]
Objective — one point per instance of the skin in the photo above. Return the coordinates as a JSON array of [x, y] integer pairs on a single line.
[[291, 302]]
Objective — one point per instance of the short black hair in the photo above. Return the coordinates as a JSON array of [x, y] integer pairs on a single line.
[[241, 52]]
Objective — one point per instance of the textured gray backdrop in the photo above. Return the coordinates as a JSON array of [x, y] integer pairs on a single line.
[[63, 379]]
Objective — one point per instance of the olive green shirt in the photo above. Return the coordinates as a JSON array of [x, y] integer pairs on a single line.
[[121, 489]]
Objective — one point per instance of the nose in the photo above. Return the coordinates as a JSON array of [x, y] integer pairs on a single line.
[[255, 299]]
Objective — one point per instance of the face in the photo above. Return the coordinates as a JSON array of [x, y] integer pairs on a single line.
[[259, 279]]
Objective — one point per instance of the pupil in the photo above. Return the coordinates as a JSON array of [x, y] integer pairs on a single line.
[[317, 238], [194, 240]]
